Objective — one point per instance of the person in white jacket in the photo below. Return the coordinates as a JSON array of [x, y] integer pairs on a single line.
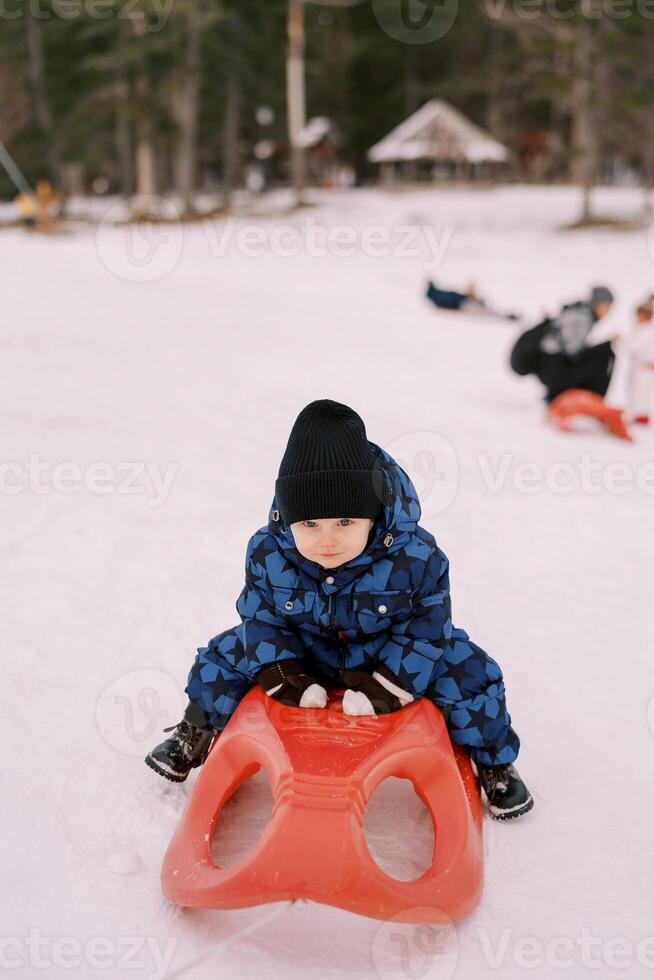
[[639, 344]]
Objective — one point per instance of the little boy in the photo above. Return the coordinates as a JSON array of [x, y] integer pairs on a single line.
[[360, 602]]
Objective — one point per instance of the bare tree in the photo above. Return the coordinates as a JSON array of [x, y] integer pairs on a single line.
[[146, 185], [185, 107], [123, 137], [295, 96], [230, 135], [584, 142], [295, 90], [572, 43], [42, 108]]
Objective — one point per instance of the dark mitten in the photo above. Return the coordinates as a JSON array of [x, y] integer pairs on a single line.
[[378, 693], [288, 682]]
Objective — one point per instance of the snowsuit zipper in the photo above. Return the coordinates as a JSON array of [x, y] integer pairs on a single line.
[[341, 647], [341, 659]]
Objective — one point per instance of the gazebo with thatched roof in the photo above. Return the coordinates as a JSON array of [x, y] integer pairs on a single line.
[[438, 142]]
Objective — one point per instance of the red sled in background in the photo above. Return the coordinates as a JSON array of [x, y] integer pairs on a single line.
[[323, 766], [576, 402]]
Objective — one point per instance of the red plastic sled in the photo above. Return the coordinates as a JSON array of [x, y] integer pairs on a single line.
[[576, 401], [323, 767]]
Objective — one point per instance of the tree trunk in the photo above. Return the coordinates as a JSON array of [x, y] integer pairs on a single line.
[[582, 169], [494, 76], [231, 127], [146, 182], [185, 111], [42, 109], [295, 95], [123, 138], [342, 64]]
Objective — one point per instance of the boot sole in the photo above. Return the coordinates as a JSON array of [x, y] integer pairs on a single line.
[[149, 761], [512, 815], [162, 772]]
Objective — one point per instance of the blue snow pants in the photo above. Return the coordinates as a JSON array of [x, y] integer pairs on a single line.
[[467, 687]]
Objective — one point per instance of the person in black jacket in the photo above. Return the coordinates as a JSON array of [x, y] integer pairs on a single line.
[[558, 353]]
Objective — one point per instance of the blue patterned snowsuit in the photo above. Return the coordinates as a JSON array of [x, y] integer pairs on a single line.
[[390, 605]]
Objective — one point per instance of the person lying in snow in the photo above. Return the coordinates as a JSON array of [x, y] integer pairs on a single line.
[[450, 299], [558, 352], [640, 348], [360, 602]]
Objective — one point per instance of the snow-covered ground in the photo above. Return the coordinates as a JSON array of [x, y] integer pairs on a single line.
[[149, 385]]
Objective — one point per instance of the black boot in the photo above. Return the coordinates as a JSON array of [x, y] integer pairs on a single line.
[[507, 795], [186, 748]]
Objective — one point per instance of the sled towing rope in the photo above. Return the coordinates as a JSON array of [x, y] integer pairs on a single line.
[[323, 766]]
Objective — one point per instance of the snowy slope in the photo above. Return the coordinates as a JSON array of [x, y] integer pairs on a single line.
[[185, 386]]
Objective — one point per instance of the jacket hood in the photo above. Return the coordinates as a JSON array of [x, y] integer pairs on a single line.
[[391, 531]]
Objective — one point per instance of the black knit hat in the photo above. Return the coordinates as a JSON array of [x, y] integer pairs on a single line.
[[328, 468]]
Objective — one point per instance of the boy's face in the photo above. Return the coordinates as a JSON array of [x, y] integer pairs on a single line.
[[331, 541], [601, 309]]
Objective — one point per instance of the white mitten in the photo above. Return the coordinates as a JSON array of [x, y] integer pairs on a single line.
[[314, 697], [288, 682], [378, 693]]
